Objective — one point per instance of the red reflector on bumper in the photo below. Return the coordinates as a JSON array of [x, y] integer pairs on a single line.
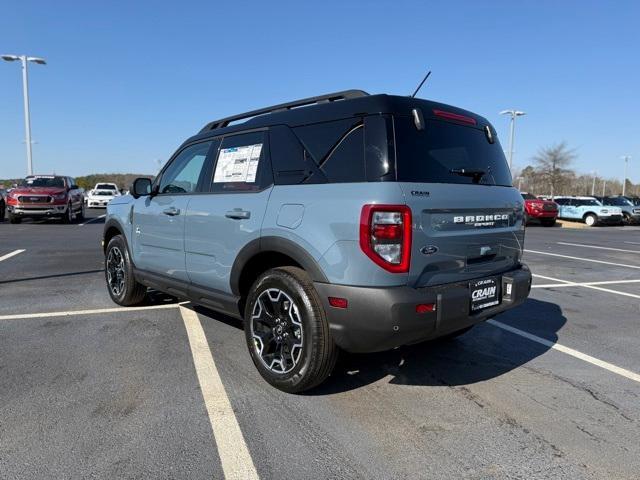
[[338, 302], [425, 307]]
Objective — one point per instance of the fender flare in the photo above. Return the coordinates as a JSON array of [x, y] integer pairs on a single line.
[[279, 245]]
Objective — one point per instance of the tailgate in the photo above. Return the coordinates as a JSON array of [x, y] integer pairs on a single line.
[[461, 232]]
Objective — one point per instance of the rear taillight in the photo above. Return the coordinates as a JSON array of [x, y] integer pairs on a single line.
[[385, 236]]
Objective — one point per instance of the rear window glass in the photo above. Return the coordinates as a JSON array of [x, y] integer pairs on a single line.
[[528, 196], [105, 186], [434, 154]]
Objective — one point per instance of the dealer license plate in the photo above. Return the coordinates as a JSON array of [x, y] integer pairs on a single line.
[[484, 293]]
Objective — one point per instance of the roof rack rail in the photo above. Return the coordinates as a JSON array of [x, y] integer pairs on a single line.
[[329, 97]]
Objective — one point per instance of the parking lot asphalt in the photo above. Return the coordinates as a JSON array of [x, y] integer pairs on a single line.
[[548, 390]]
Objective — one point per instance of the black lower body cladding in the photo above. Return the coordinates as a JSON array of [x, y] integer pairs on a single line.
[[378, 319]]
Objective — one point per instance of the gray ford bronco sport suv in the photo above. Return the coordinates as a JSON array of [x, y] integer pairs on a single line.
[[344, 221]]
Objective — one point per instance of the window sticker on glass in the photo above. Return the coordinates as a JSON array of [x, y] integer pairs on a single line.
[[238, 164]]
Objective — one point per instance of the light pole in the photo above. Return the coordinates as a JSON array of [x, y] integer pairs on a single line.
[[513, 114], [626, 159], [593, 185], [24, 59]]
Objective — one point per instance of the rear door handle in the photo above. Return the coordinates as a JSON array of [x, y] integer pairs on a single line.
[[172, 211], [238, 214]]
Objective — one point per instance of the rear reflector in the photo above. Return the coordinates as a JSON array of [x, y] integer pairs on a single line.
[[455, 116], [425, 307], [338, 302]]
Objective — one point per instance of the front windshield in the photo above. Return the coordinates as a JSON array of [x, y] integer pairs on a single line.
[[48, 182]]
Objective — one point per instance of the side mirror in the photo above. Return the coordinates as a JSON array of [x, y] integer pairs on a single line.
[[141, 187]]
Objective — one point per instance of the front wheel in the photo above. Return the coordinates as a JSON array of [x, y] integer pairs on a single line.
[[68, 215], [14, 218], [287, 331], [590, 220], [118, 271]]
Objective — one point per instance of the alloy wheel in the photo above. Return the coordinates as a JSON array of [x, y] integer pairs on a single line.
[[276, 328], [115, 271]]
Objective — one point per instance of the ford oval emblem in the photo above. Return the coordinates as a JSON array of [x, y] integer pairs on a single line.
[[429, 250]]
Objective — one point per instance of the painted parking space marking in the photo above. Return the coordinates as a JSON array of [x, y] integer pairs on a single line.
[[598, 247], [593, 287], [232, 449], [583, 259], [12, 254], [581, 284], [92, 220], [70, 313], [569, 351]]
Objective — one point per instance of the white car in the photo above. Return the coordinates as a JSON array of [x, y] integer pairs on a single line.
[[101, 195]]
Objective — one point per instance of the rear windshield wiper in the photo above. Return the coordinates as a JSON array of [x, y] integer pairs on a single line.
[[466, 172]]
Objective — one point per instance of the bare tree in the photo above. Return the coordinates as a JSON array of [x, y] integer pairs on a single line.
[[552, 165]]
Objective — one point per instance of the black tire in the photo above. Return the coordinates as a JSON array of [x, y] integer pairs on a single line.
[[14, 218], [548, 222], [285, 298], [626, 219], [128, 292], [2, 213], [68, 215], [81, 214]]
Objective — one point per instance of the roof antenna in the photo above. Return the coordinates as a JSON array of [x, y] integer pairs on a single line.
[[421, 83]]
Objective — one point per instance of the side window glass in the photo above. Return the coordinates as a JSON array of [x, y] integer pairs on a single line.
[[346, 162], [182, 175], [291, 164], [242, 164]]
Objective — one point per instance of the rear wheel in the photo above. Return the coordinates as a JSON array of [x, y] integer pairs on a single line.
[[287, 332], [118, 269], [81, 213], [590, 219], [548, 222]]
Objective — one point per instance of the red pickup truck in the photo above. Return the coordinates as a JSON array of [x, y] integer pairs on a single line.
[[545, 211], [46, 196]]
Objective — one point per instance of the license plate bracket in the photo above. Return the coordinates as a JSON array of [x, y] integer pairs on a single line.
[[484, 293]]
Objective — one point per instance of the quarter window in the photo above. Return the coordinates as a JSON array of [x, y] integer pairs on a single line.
[[183, 174]]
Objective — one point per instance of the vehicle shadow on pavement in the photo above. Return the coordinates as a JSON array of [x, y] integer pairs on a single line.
[[483, 353]]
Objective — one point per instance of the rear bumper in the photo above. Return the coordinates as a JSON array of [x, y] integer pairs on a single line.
[[37, 210], [383, 318]]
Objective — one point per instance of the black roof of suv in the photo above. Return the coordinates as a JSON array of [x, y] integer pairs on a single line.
[[335, 106]]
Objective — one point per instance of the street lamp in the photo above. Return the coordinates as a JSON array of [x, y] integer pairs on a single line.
[[513, 114], [626, 159], [24, 59]]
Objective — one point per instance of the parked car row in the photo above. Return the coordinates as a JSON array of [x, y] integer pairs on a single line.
[[613, 210], [52, 196]]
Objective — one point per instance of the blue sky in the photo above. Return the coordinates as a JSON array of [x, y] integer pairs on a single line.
[[127, 82]]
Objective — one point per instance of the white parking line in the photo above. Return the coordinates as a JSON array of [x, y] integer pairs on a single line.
[[233, 452], [12, 254], [92, 220], [574, 284], [22, 316], [584, 259], [598, 247], [633, 243], [582, 284], [569, 351]]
